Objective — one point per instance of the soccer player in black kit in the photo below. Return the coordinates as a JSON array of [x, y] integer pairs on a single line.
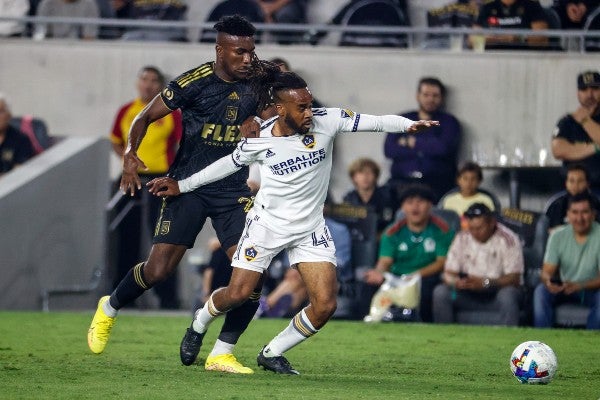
[[215, 98]]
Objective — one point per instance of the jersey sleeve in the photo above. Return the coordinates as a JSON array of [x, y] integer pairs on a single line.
[[174, 96], [350, 121], [244, 154]]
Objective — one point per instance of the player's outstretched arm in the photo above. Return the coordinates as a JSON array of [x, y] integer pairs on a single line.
[[385, 123], [218, 170]]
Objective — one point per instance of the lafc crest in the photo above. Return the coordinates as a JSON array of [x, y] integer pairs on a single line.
[[309, 141], [231, 113]]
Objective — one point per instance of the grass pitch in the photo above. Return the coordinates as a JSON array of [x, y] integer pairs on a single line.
[[46, 356]]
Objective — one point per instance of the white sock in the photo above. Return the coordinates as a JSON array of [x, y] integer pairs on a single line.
[[221, 348], [299, 329], [205, 316], [109, 310]]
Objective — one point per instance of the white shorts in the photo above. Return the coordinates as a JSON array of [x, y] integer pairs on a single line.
[[259, 244]]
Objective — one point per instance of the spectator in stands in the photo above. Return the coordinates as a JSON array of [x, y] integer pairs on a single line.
[[416, 244], [483, 270], [512, 14], [364, 173], [13, 8], [67, 8], [157, 151], [577, 135], [431, 156], [468, 179], [15, 147], [571, 270], [459, 14], [577, 182], [155, 10], [574, 13]]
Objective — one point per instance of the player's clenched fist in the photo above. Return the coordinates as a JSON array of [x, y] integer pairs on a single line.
[[163, 186]]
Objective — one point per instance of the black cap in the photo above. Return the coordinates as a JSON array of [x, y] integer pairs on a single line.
[[477, 210], [416, 190], [588, 79]]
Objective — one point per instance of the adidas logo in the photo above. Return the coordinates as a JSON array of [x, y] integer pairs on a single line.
[[270, 153], [233, 96]]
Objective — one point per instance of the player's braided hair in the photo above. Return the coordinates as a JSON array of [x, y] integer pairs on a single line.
[[287, 81]]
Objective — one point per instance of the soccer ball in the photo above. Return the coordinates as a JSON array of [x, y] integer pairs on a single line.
[[533, 362]]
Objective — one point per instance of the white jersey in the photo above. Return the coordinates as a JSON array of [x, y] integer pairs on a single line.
[[294, 169]]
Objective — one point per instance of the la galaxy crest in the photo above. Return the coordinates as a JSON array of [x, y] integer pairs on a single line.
[[250, 253], [309, 141]]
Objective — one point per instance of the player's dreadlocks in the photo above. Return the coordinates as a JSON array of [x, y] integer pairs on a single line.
[[262, 76]]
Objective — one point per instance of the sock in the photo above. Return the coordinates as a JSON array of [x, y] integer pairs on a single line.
[[205, 315], [109, 310], [132, 286], [221, 348], [299, 329], [238, 319]]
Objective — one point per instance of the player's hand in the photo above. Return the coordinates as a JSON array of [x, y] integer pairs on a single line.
[[130, 180], [250, 128], [163, 186], [422, 125]]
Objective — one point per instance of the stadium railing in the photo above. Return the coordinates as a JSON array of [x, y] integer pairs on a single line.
[[571, 40]]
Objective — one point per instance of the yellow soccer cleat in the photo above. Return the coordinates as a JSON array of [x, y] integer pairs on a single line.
[[226, 363], [100, 328]]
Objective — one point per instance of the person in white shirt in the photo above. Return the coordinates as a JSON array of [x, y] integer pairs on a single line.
[[294, 153], [483, 270]]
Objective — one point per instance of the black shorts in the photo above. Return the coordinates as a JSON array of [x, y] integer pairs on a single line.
[[182, 217]]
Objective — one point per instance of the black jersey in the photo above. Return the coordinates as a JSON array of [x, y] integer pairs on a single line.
[[570, 130], [212, 110]]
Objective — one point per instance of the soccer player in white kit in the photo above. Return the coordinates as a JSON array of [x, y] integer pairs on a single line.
[[294, 153]]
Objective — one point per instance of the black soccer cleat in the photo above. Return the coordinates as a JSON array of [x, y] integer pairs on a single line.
[[190, 346], [277, 364]]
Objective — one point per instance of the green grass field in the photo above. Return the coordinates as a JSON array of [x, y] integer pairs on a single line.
[[46, 356]]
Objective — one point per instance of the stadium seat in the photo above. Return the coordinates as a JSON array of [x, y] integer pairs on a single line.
[[35, 129], [362, 223], [592, 23], [374, 13], [554, 23]]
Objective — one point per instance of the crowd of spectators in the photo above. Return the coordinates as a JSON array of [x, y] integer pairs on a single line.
[[497, 14]]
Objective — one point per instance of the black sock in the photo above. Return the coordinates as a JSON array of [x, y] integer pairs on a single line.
[[132, 286], [238, 319]]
